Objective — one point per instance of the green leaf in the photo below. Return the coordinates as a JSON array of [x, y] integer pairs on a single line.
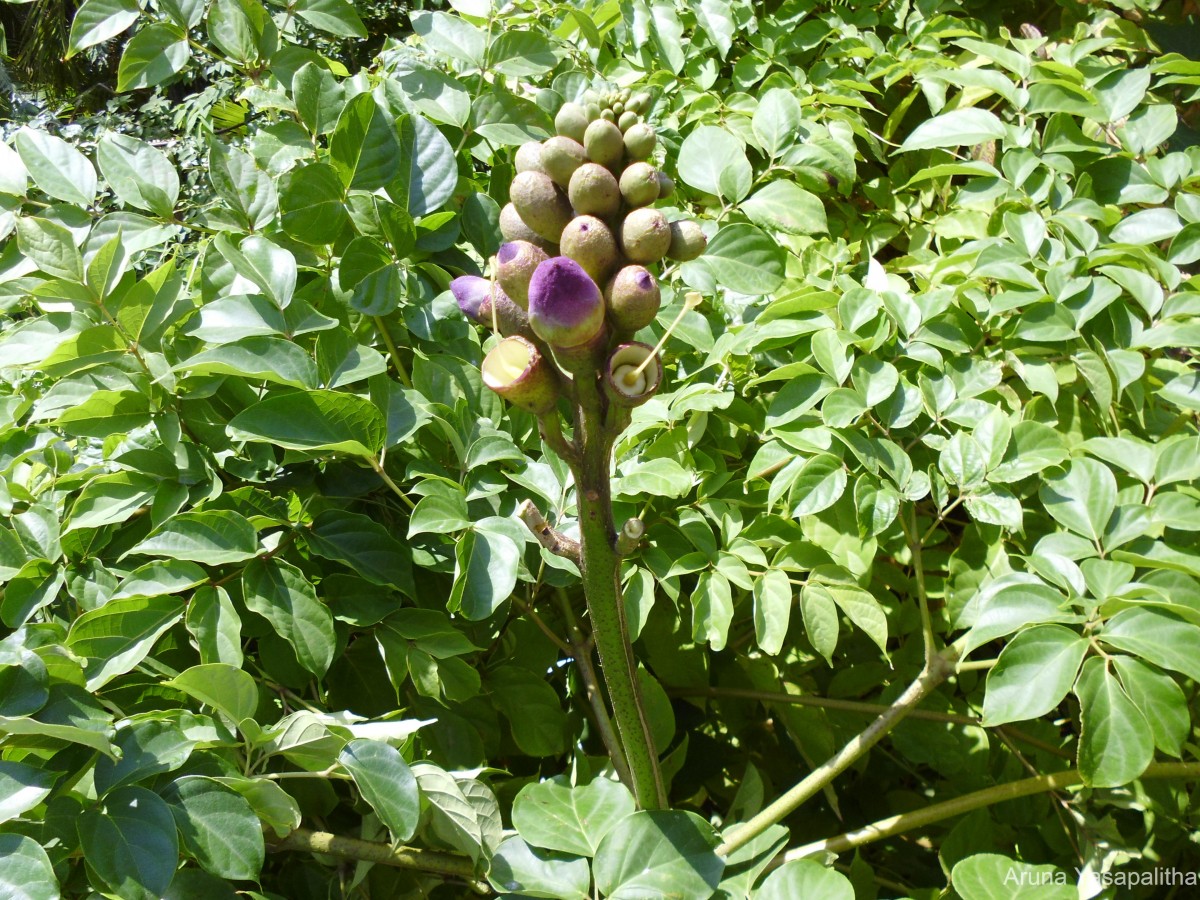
[[139, 174], [363, 544], [861, 608], [555, 816], [246, 189], [27, 873], [529, 871], [213, 537], [663, 853], [955, 129], [386, 782], [784, 206], [369, 270], [821, 624], [1083, 498], [130, 843], [452, 815], [313, 420], [363, 147], [147, 748], [221, 686], [120, 634], [261, 358], [989, 876], [263, 262], [742, 258], [153, 55], [772, 610], [319, 99], [1157, 636], [214, 622], [1159, 699], [431, 176], [712, 609], [1014, 606], [280, 593], [533, 709], [97, 21], [22, 787], [50, 247], [521, 53], [1115, 743], [313, 203], [274, 806], [56, 167], [449, 35], [713, 161], [1035, 671], [485, 573], [805, 878], [219, 827], [337, 17], [1148, 226]]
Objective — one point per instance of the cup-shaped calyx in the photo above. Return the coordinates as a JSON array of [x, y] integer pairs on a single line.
[[566, 308], [633, 373], [516, 371], [486, 303]]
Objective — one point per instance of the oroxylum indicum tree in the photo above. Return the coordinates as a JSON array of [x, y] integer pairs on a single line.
[[917, 484]]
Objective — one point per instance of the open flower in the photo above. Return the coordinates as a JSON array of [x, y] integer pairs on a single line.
[[516, 371], [633, 373], [566, 308]]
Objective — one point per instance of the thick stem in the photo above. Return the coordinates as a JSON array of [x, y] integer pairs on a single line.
[[599, 566], [433, 861], [933, 674], [968, 802]]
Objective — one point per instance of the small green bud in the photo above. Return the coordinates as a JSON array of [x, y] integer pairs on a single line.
[[640, 140], [645, 235], [561, 156], [571, 121], [542, 206], [639, 184], [627, 120], [594, 191], [604, 143], [608, 115], [687, 240]]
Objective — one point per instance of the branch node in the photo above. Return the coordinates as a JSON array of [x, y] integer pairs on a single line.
[[554, 541], [631, 536]]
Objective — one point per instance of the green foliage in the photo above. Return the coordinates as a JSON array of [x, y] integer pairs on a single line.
[[259, 550]]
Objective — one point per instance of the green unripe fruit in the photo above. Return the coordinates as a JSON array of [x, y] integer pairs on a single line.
[[604, 143], [594, 191], [561, 156], [640, 140], [513, 227], [639, 184], [542, 206], [627, 120], [645, 235], [515, 264], [590, 243], [666, 185], [571, 121], [608, 115], [593, 111], [529, 157], [633, 298], [687, 240]]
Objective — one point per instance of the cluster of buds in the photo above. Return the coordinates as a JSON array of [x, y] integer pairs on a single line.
[[573, 280]]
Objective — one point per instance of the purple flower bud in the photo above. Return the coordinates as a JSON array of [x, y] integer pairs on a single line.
[[626, 382], [474, 296], [516, 371], [565, 305]]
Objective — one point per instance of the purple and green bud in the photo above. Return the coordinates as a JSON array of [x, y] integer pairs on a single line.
[[565, 306], [632, 374], [485, 303], [516, 262], [633, 299], [518, 372]]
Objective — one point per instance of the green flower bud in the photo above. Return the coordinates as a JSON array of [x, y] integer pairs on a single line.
[[594, 191], [640, 140], [633, 298], [604, 143], [561, 156], [541, 205], [639, 184], [571, 121], [513, 227], [687, 240], [515, 265], [529, 157], [589, 242], [645, 235]]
